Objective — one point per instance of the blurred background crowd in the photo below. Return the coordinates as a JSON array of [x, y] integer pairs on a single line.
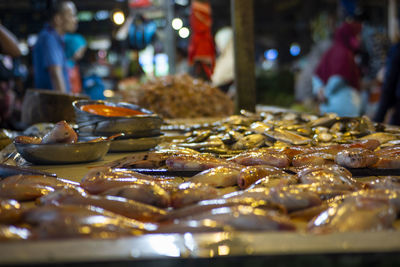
[[336, 56]]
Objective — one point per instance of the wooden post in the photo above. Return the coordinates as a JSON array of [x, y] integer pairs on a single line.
[[243, 28]]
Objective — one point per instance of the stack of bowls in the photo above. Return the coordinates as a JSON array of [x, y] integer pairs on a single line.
[[142, 131]]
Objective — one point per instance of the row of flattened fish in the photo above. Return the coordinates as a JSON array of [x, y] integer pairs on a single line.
[[227, 195], [263, 172]]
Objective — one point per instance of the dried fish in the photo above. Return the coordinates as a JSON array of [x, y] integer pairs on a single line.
[[355, 214], [249, 141], [288, 137], [356, 158], [151, 194], [125, 207], [190, 193], [260, 127], [381, 137], [217, 177], [262, 156], [247, 218]]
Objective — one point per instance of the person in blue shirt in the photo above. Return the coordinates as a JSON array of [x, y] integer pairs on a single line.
[[49, 59]]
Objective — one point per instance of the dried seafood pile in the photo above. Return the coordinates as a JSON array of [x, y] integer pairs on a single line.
[[181, 96]]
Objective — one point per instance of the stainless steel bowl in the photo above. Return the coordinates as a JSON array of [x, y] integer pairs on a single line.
[[63, 153], [147, 124]]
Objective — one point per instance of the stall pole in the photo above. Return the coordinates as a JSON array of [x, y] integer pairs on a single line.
[[170, 36], [243, 28]]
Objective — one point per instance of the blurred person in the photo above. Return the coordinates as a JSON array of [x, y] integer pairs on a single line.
[[49, 59], [93, 86], [201, 50], [337, 78], [75, 47], [375, 46], [322, 28], [223, 75], [390, 96], [92, 83], [8, 48]]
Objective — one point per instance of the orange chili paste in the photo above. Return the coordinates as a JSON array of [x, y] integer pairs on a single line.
[[109, 111]]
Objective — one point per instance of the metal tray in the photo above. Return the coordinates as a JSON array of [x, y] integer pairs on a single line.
[[63, 153], [134, 144]]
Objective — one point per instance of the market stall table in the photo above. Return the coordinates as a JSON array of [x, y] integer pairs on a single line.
[[234, 248]]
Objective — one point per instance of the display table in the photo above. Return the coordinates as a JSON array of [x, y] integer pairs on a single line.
[[245, 247], [75, 172]]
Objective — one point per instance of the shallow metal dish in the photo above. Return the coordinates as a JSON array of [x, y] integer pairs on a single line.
[[134, 144], [147, 124], [63, 153]]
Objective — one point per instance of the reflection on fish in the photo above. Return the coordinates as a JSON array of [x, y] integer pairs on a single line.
[[326, 191], [229, 201], [262, 156], [24, 192], [11, 232], [249, 141], [217, 177], [382, 137], [388, 158], [290, 198], [275, 180], [355, 214], [260, 127], [247, 218], [293, 198], [42, 180], [68, 221], [328, 174], [389, 182], [251, 174], [101, 179], [288, 137], [197, 162], [308, 213], [10, 211], [151, 194], [315, 158], [190, 193], [125, 207]]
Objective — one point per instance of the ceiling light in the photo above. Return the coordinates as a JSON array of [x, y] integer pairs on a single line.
[[184, 32], [118, 17], [177, 23]]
